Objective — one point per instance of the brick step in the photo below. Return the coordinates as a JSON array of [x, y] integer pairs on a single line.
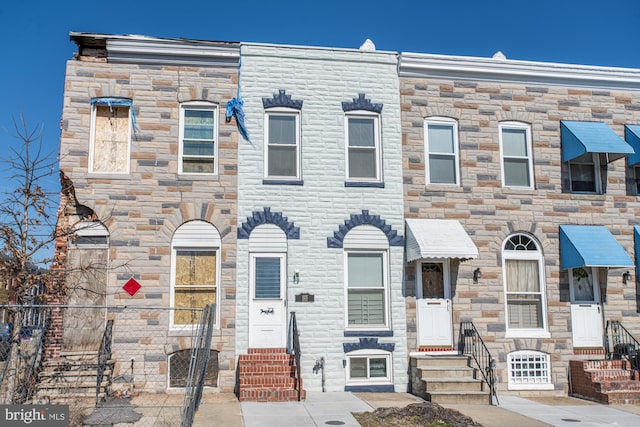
[[266, 369], [266, 381], [270, 395], [453, 384], [447, 373], [444, 361], [267, 358], [614, 386], [275, 350], [613, 374], [451, 397]]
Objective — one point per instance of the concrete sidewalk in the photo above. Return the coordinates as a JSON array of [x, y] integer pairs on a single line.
[[335, 408]]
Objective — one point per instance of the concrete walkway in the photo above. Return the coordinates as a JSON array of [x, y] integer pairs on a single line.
[[335, 408]]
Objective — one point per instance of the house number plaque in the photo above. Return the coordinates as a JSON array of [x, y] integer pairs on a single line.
[[305, 297]]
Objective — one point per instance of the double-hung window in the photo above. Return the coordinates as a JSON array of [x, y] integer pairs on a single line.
[[198, 138], [517, 159], [584, 172], [366, 289], [441, 151], [110, 138], [524, 287], [282, 136], [363, 147]]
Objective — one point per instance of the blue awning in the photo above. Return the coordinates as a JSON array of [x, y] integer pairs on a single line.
[[590, 246], [579, 138], [632, 136]]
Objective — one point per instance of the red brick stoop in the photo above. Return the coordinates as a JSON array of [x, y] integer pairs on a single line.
[[608, 381], [268, 375]]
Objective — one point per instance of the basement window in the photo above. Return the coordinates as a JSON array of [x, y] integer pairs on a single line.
[[368, 367], [179, 363], [529, 370]]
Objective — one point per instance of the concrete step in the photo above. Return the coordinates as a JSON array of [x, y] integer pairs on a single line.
[[453, 384], [453, 397], [448, 373], [444, 361]]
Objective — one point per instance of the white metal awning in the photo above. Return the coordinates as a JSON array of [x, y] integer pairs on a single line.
[[438, 238]]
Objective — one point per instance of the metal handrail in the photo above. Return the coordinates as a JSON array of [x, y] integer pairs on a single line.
[[294, 348], [470, 343], [104, 355], [624, 344]]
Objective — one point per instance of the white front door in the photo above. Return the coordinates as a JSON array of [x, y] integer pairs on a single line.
[[586, 311], [434, 304], [267, 301]]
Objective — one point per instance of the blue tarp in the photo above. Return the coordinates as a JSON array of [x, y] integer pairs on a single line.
[[114, 101], [579, 138], [234, 109], [590, 246], [632, 136]]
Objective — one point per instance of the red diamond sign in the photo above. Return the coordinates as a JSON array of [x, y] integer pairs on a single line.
[[132, 286]]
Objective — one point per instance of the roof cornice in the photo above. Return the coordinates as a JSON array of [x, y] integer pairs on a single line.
[[152, 50], [506, 70]]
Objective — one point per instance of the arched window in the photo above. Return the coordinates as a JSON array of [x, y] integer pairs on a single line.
[[524, 286], [195, 271]]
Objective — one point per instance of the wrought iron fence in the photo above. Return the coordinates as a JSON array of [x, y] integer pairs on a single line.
[[470, 343], [127, 366], [294, 348]]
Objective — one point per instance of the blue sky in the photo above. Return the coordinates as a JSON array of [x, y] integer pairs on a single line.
[[36, 46]]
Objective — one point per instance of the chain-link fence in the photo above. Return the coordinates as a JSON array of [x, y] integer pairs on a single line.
[[111, 365]]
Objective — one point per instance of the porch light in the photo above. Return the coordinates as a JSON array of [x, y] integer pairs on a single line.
[[626, 276], [477, 274]]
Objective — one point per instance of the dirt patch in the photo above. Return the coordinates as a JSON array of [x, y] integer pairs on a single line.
[[426, 414]]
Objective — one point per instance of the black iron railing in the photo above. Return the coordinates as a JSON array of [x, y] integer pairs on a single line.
[[294, 348], [620, 344], [471, 344], [104, 355]]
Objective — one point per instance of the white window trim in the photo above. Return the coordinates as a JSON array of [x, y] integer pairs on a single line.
[[597, 176], [282, 112], [512, 385], [456, 151], [92, 139], [203, 247], [385, 292], [369, 354], [518, 126], [283, 273], [596, 286], [199, 105], [525, 255], [377, 145]]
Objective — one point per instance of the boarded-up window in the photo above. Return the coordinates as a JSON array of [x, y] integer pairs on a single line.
[[179, 369], [195, 259], [195, 283], [111, 134]]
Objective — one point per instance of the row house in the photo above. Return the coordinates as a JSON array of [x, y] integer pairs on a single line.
[[536, 165], [372, 201]]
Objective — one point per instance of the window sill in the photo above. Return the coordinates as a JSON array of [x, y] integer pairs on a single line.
[[282, 182], [364, 184], [197, 176], [368, 333], [588, 196], [540, 386], [518, 190], [455, 188], [527, 333], [108, 175]]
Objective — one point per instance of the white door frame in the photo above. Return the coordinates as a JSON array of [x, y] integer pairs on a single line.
[[434, 315], [586, 314], [268, 316]]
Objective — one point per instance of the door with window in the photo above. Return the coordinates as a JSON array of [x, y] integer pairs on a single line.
[[586, 310], [267, 301], [434, 305]]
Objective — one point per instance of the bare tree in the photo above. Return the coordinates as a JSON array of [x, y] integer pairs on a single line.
[[27, 227]]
